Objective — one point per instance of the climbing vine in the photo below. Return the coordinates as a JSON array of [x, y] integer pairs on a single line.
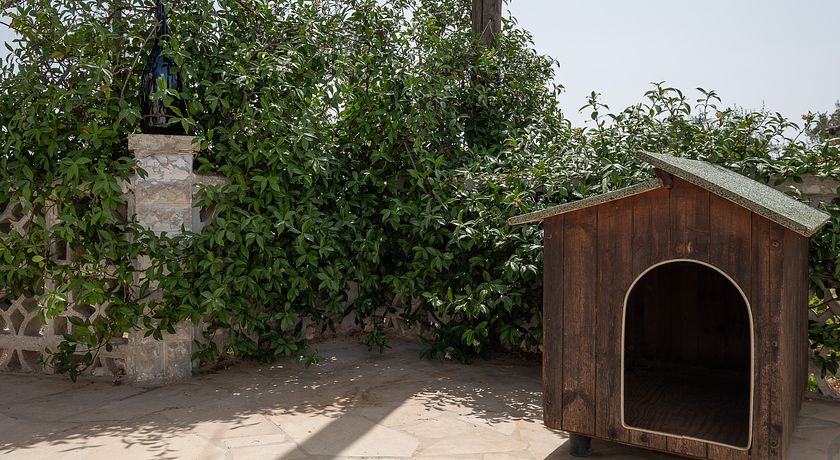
[[365, 143]]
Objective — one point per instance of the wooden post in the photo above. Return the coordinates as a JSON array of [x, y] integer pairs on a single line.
[[487, 20]]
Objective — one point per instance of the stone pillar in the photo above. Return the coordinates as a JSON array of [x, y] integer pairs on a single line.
[[163, 199], [162, 202]]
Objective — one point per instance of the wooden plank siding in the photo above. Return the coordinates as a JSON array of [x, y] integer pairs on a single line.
[[651, 237], [730, 249], [768, 239], [760, 299], [553, 322], [580, 245], [793, 336], [614, 219], [593, 255], [800, 343], [689, 222], [689, 206]]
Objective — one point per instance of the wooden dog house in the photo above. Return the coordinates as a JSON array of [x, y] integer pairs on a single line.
[[675, 313]]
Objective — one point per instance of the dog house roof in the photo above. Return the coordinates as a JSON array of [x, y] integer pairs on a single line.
[[758, 198]]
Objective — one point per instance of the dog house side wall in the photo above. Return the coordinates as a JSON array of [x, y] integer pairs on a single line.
[[552, 355], [780, 298], [794, 335], [593, 255]]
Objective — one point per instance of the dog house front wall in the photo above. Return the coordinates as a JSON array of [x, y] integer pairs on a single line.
[[592, 257]]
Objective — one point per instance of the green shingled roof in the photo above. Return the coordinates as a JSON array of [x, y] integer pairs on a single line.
[[755, 196], [758, 198]]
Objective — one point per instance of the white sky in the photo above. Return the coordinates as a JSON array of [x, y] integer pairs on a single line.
[[782, 55]]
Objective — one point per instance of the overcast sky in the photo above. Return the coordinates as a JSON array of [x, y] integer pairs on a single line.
[[782, 55]]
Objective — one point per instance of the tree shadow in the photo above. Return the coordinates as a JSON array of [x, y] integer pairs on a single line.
[[345, 405]]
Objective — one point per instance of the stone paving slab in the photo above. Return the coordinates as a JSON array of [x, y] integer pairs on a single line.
[[354, 405]]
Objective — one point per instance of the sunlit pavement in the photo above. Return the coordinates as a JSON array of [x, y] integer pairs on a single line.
[[356, 404]]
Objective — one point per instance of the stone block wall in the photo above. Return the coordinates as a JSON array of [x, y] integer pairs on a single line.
[[815, 188], [23, 337], [161, 201]]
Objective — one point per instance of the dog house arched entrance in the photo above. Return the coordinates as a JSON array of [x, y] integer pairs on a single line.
[[687, 354]]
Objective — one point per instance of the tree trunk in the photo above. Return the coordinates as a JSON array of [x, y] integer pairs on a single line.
[[487, 20]]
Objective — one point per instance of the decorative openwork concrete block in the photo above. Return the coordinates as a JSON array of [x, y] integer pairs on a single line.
[[675, 313]]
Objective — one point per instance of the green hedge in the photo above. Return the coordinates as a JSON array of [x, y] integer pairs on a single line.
[[366, 143]]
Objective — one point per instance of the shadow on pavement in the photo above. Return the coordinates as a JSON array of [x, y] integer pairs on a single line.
[[355, 403]]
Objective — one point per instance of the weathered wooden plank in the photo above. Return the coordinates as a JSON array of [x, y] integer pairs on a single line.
[[579, 285], [615, 274], [802, 351], [786, 379], [690, 229], [793, 334], [651, 228], [651, 235], [773, 352], [731, 244], [802, 327], [760, 298], [765, 291], [487, 20], [553, 322], [689, 221], [688, 447], [716, 452]]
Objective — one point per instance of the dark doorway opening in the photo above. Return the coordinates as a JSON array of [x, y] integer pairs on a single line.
[[688, 355]]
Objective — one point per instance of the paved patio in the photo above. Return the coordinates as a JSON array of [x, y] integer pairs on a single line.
[[355, 405]]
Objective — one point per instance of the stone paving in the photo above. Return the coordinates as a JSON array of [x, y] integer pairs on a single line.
[[356, 404]]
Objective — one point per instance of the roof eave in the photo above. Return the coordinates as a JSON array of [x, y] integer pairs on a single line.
[[538, 216]]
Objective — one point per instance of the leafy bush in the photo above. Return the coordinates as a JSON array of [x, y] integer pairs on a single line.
[[365, 142], [356, 154]]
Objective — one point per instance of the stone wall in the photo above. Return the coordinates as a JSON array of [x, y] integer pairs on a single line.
[[815, 188], [161, 201]]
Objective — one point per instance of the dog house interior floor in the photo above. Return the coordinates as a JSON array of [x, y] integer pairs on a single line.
[[697, 403]]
